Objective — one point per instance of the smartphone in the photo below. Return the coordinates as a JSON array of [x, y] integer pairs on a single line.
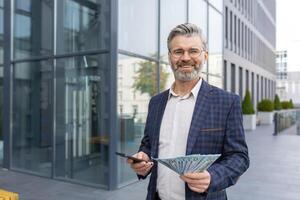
[[135, 160]]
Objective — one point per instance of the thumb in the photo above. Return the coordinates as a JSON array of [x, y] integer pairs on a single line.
[[140, 155]]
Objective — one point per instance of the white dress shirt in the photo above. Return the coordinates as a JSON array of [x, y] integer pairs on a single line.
[[174, 131]]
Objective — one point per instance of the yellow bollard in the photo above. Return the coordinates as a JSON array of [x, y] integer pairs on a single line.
[[6, 195]]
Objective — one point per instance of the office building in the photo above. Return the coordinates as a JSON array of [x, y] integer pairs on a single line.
[[249, 48]]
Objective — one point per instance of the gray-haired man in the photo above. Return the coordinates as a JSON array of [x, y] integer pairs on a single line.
[[192, 117]]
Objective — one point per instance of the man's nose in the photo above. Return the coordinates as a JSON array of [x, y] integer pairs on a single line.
[[186, 56]]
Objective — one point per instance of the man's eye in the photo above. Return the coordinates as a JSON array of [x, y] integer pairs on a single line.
[[178, 52], [194, 51]]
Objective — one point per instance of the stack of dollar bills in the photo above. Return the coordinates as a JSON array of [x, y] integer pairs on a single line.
[[190, 163]]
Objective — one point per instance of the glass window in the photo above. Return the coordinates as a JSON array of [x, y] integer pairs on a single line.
[[32, 117], [167, 76], [136, 84], [173, 13], [233, 78], [1, 31], [218, 4], [23, 5], [225, 74], [82, 125], [1, 120], [33, 28], [198, 14], [241, 81], [257, 89], [82, 25], [137, 30], [215, 43]]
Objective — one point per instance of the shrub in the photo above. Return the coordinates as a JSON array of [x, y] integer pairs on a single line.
[[277, 104], [265, 105], [285, 105], [291, 104], [247, 106]]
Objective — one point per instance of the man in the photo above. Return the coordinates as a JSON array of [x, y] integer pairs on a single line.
[[192, 117]]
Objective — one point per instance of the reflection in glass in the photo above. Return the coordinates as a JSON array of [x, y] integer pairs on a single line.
[[218, 4], [173, 12], [84, 25], [33, 28], [138, 26], [1, 31], [170, 76], [198, 14], [134, 92], [215, 43], [1, 119], [82, 132], [32, 132]]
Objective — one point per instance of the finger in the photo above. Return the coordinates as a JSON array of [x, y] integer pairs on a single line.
[[138, 165], [199, 185], [197, 176], [129, 161], [196, 189], [145, 170], [141, 165], [143, 156], [195, 181]]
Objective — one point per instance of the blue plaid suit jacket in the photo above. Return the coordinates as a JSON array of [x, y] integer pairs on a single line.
[[216, 128]]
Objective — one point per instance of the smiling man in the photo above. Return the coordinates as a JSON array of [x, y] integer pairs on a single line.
[[192, 117]]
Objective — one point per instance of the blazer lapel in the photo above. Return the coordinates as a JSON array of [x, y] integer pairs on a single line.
[[198, 115]]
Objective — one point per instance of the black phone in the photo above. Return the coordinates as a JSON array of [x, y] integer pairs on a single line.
[[135, 160]]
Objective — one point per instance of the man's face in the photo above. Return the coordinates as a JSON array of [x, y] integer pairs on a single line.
[[186, 57]]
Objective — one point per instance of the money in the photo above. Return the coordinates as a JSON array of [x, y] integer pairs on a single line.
[[190, 163]]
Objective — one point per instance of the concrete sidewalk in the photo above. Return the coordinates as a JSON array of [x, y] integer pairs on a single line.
[[274, 174]]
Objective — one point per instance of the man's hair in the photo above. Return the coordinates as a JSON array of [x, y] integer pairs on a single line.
[[187, 30]]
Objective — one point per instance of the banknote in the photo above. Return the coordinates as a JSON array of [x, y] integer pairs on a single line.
[[190, 163]]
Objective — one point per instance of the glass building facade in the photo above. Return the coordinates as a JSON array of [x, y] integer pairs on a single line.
[[77, 76]]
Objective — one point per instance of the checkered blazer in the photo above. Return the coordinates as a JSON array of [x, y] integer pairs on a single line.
[[216, 128]]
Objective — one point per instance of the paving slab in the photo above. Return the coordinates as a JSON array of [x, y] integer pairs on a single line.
[[274, 174]]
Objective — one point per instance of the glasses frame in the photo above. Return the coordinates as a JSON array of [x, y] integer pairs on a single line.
[[188, 51]]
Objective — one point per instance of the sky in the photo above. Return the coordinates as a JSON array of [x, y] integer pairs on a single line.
[[288, 31]]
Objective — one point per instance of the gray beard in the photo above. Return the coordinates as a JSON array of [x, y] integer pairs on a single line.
[[187, 76]]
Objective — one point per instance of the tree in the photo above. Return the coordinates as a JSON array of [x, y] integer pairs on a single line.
[[146, 78], [277, 104], [247, 105]]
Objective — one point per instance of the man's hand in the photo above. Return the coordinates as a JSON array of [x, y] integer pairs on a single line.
[[141, 168], [197, 182]]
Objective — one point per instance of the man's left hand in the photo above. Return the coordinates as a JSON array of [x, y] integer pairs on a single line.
[[198, 181]]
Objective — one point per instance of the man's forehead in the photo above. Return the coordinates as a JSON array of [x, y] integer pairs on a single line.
[[182, 40]]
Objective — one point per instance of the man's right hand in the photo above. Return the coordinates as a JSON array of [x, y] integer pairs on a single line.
[[141, 168]]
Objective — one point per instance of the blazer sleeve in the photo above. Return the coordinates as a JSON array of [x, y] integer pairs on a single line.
[[234, 160], [146, 142]]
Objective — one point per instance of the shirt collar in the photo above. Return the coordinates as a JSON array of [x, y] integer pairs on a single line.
[[194, 92]]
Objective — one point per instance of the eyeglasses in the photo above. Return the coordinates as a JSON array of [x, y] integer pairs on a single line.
[[193, 52]]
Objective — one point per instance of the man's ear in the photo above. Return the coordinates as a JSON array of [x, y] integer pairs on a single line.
[[206, 56]]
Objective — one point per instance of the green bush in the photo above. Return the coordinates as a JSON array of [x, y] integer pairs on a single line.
[[291, 104], [265, 105], [286, 105], [247, 105], [277, 104]]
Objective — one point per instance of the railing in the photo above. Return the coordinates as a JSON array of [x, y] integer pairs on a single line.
[[285, 119]]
